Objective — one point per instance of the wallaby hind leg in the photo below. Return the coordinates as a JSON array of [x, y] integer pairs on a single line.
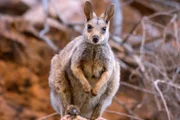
[[60, 88], [104, 102], [107, 97], [64, 97]]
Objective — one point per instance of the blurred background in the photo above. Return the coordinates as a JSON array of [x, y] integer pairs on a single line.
[[145, 37]]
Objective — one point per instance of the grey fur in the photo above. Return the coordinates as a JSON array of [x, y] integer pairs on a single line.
[[84, 74]]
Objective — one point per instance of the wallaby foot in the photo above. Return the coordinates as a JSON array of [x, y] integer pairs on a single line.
[[73, 111]]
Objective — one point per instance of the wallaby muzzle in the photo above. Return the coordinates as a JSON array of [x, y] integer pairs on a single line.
[[95, 38]]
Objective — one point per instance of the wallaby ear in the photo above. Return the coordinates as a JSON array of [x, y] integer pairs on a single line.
[[88, 10], [109, 13]]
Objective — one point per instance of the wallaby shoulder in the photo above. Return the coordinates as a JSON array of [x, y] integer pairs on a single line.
[[66, 53], [60, 61]]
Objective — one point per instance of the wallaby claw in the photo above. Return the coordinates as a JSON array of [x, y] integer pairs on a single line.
[[87, 88], [95, 91]]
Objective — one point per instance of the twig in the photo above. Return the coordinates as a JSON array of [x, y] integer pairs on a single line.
[[122, 114], [166, 28], [46, 39], [48, 116], [137, 88], [147, 19], [116, 46], [156, 24], [137, 44], [128, 60], [126, 66], [159, 5], [62, 21], [124, 106], [117, 21], [163, 99], [176, 32], [143, 38], [46, 27], [139, 62], [162, 13], [158, 69], [176, 73], [127, 2], [58, 13], [132, 30], [169, 83]]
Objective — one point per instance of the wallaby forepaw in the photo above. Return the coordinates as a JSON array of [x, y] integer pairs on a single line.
[[95, 91], [87, 88]]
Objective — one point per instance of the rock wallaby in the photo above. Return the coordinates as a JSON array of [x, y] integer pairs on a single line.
[[85, 73]]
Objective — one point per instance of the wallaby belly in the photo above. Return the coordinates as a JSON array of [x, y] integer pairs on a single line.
[[92, 64]]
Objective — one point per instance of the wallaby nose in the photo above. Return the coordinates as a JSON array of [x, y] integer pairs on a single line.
[[95, 38]]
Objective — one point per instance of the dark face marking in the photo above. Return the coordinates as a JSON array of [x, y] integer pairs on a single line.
[[96, 31], [103, 30], [97, 20], [89, 27]]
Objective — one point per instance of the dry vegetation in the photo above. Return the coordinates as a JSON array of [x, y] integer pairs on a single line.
[[145, 39]]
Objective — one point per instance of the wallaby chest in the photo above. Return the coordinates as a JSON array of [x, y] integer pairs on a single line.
[[93, 61]]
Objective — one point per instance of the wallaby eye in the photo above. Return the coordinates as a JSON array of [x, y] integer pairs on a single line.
[[104, 29], [89, 27]]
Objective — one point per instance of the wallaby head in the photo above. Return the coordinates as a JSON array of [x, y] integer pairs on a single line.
[[96, 30]]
